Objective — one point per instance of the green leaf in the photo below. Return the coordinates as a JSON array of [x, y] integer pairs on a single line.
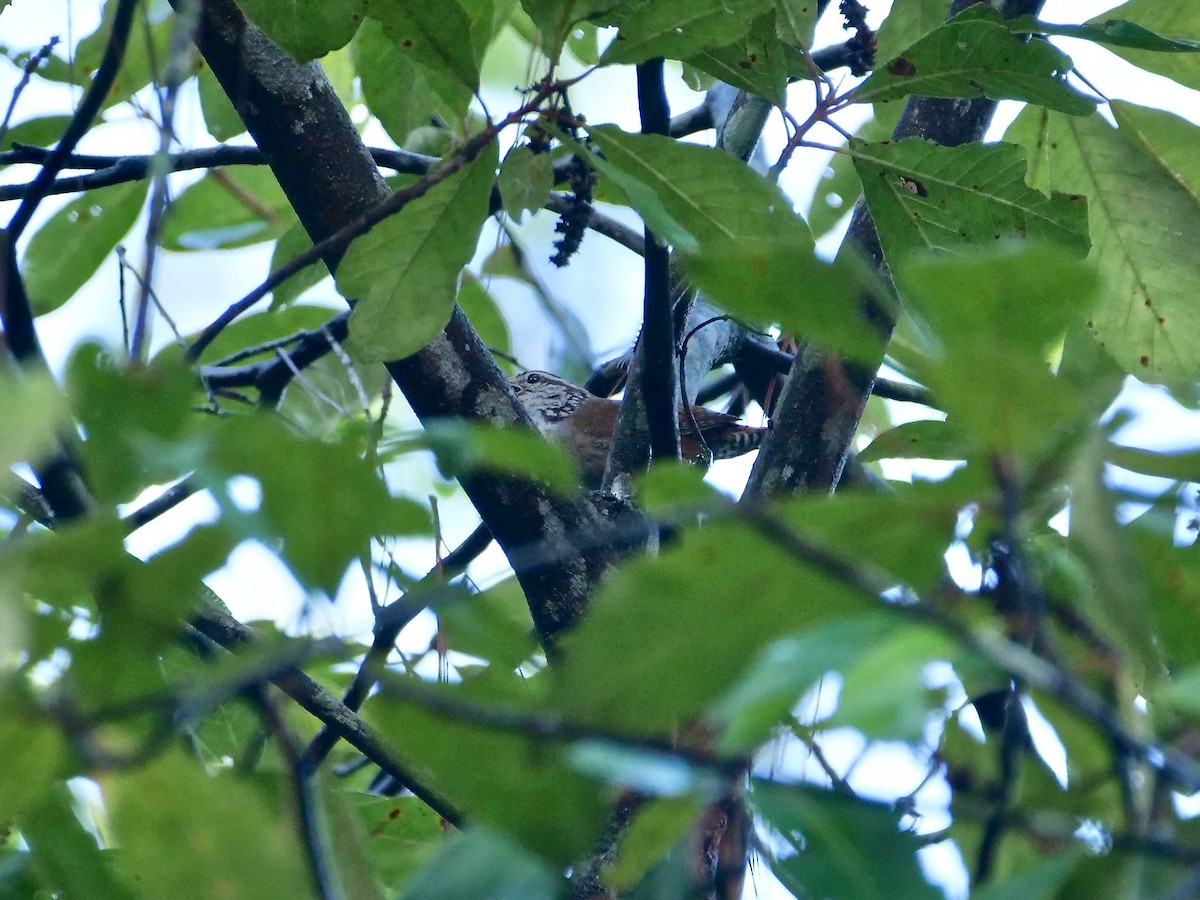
[[745, 247], [463, 448], [263, 327], [948, 198], [480, 307], [307, 28], [657, 826], [481, 863], [926, 439], [146, 52], [632, 665], [975, 55], [1113, 32], [554, 19], [841, 846], [133, 420], [41, 131], [783, 670], [66, 251], [997, 314], [883, 691], [526, 179], [298, 514], [1143, 240], [1172, 20], [232, 207], [795, 21], [1042, 882], [835, 194], [1179, 466], [494, 625], [679, 28], [291, 244], [500, 778], [220, 117], [436, 35], [906, 23], [758, 64], [404, 272], [1172, 590], [34, 750], [400, 833], [65, 857], [32, 409], [219, 835], [402, 93]]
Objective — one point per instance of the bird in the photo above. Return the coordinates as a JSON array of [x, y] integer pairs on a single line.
[[584, 423]]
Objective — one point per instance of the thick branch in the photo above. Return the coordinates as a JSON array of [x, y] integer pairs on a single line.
[[328, 176], [821, 404]]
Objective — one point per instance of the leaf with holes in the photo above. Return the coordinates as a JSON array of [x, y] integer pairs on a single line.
[[678, 28], [949, 198], [307, 28], [1144, 239], [975, 55], [1169, 19], [68, 249]]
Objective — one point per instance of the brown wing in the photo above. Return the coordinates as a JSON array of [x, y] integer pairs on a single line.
[[706, 419]]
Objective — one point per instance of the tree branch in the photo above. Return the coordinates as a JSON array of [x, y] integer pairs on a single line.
[[330, 180], [821, 404]]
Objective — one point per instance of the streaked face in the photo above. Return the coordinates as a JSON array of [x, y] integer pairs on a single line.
[[548, 398]]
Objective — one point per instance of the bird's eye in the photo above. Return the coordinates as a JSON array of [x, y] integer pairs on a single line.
[[534, 378]]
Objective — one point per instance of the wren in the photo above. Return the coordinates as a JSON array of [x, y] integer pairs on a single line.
[[583, 422]]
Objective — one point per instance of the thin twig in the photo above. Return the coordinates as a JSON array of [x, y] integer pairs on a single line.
[[27, 71], [340, 239], [93, 100]]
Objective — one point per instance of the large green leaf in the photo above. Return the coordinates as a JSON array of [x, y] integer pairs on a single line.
[[1114, 32], [307, 28], [67, 250], [996, 314], [399, 833], [924, 439], [649, 667], [481, 863], [130, 417], [220, 117], [907, 22], [291, 244], [554, 19], [436, 35], [40, 131], [840, 846], [32, 409], [146, 52], [1171, 19], [64, 856], [403, 272], [679, 28], [295, 510], [975, 55], [230, 207], [219, 835], [758, 63], [948, 198], [498, 777], [1145, 221], [402, 93], [743, 245]]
